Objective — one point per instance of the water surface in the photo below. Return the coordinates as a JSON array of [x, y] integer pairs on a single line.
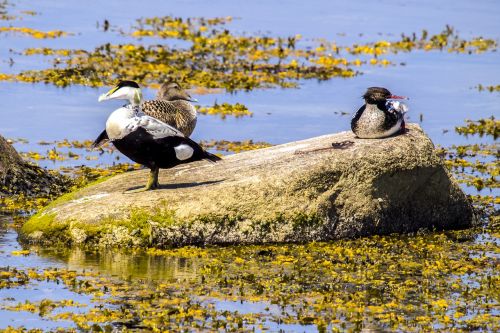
[[441, 86]]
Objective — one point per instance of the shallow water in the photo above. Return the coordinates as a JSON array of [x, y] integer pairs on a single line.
[[124, 266], [441, 86], [225, 282]]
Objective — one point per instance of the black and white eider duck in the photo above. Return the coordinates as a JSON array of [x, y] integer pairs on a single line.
[[147, 140], [380, 117], [172, 106]]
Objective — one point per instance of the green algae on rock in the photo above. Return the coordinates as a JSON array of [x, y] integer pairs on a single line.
[[234, 146], [329, 187]]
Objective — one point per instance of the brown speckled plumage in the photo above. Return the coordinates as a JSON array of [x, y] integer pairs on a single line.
[[172, 106], [180, 114]]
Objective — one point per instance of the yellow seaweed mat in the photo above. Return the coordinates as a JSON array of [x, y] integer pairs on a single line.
[[428, 282], [33, 32], [211, 56]]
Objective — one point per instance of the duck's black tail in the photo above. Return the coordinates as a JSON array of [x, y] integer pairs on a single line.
[[211, 157], [101, 139], [201, 154]]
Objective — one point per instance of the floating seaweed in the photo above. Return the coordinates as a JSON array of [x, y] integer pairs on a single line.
[[225, 109], [477, 165], [447, 280], [33, 32], [481, 127], [496, 88], [217, 58]]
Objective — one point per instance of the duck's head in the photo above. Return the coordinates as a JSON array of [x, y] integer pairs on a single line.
[[128, 90], [375, 95], [171, 91]]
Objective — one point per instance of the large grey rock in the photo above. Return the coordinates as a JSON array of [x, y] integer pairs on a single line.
[[324, 188]]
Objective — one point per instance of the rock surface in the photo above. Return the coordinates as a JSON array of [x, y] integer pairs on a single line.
[[19, 177], [324, 188]]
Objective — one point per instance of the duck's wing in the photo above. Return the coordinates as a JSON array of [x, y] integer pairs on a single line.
[[179, 113], [395, 113], [167, 137], [156, 128]]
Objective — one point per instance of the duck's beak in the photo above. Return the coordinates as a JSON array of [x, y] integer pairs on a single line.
[[106, 96], [188, 97], [398, 97]]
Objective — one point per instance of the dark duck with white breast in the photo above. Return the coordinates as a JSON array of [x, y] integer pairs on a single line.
[[147, 140], [381, 116]]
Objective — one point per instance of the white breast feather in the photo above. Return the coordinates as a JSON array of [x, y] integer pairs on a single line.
[[117, 123], [183, 152], [391, 130]]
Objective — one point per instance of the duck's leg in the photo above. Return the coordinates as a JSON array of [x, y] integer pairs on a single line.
[[154, 174], [151, 184]]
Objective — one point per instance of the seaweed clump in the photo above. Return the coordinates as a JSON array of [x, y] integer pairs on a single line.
[[211, 56], [477, 165]]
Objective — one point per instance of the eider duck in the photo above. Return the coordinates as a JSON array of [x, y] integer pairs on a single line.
[[379, 118], [147, 140], [172, 106]]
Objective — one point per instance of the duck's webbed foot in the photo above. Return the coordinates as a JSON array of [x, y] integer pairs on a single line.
[[152, 183]]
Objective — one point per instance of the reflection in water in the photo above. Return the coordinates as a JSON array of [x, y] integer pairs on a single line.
[[355, 284], [4, 220], [125, 264], [138, 266]]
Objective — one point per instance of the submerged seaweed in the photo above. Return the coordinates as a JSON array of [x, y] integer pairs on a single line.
[[443, 281]]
